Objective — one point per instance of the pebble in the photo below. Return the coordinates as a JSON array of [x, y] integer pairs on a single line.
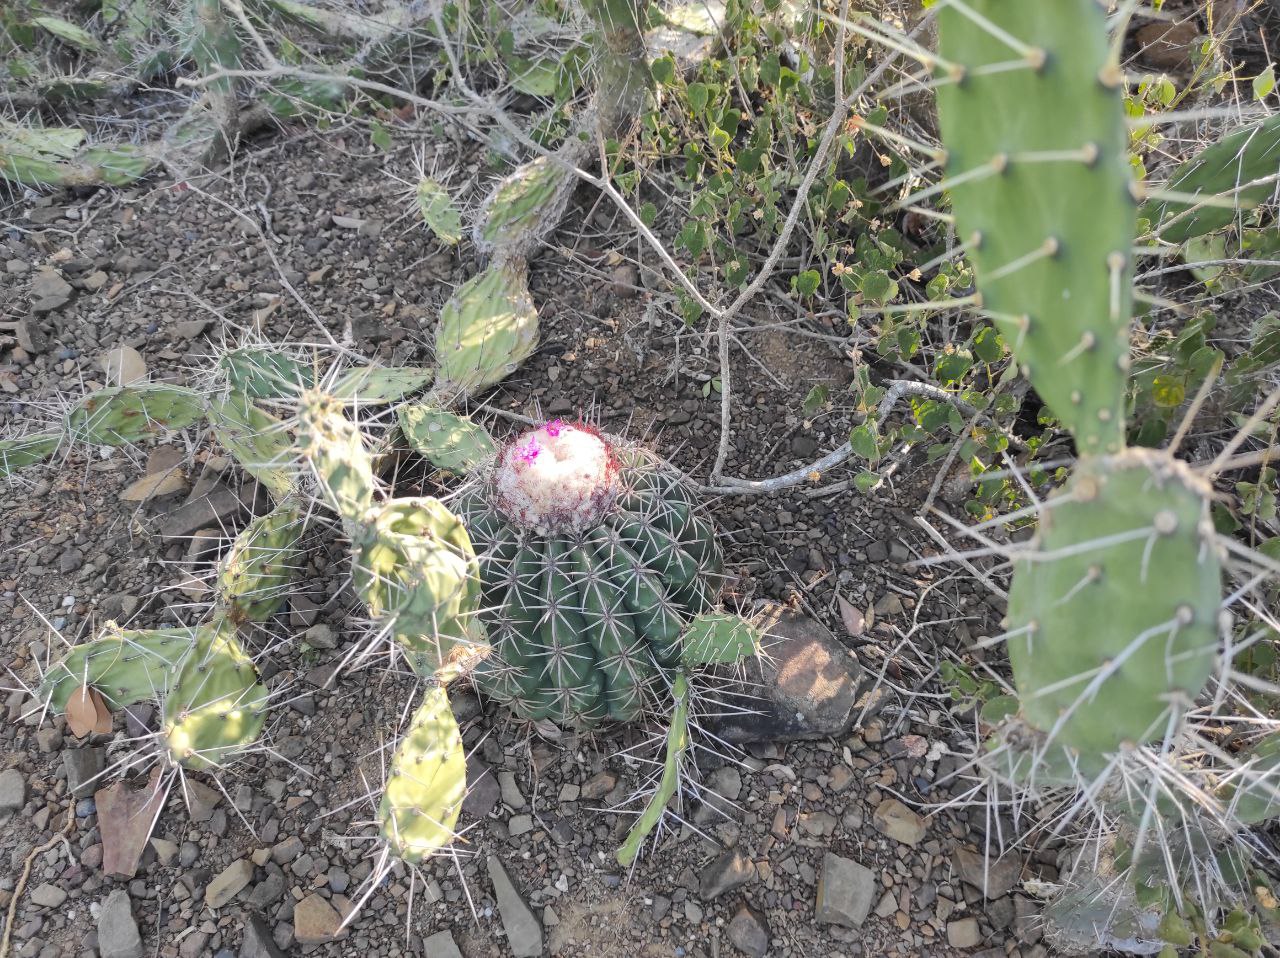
[[524, 932], [118, 935], [749, 931], [13, 791], [229, 883], [315, 921], [898, 822], [730, 870], [845, 891]]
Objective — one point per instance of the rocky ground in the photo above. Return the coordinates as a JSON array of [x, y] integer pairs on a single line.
[[834, 846]]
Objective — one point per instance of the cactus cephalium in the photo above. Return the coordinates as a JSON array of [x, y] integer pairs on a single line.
[[593, 559]]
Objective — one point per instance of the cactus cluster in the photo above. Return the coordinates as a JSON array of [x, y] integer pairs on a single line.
[[1114, 608]]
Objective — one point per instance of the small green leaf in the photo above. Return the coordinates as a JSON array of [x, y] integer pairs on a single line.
[[806, 283], [648, 214], [865, 482], [718, 637], [663, 69], [699, 94], [998, 709], [379, 136], [1168, 392], [863, 441], [1264, 83], [878, 288], [817, 396], [68, 33]]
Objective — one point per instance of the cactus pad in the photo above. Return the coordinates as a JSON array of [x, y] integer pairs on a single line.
[[254, 575], [337, 452], [590, 571], [16, 454], [445, 440], [216, 705], [126, 666], [1113, 617], [256, 439], [1220, 171], [266, 373], [486, 329], [427, 782], [416, 571], [1046, 204], [524, 207], [119, 415]]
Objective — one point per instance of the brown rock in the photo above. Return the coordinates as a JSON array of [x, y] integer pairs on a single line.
[[315, 921]]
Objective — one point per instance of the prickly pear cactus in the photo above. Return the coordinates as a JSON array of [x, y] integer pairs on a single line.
[[593, 558]]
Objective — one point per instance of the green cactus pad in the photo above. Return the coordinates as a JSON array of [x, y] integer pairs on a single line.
[[1046, 202], [587, 587], [1219, 171], [486, 330], [19, 453], [266, 373], [254, 575], [427, 782], [336, 450], [119, 415], [217, 705], [258, 441], [718, 638], [416, 571], [125, 665], [445, 440], [1254, 794], [378, 385], [438, 211], [1113, 618], [677, 745], [524, 207]]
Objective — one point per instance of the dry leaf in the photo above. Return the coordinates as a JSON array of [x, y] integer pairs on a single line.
[[124, 365], [855, 623], [916, 745], [87, 712]]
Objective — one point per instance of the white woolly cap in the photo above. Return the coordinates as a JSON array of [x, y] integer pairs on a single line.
[[556, 478]]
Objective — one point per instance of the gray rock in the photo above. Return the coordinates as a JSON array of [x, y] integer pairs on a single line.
[[441, 945], [511, 795], [117, 931], [217, 508], [964, 933], [845, 891], [258, 942], [483, 791], [13, 791], [524, 931], [315, 920], [268, 891], [49, 291], [749, 931], [519, 825], [320, 636], [804, 686], [286, 851], [48, 896], [229, 883], [83, 766], [993, 878], [731, 870], [201, 799]]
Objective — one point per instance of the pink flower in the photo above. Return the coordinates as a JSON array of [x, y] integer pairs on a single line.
[[529, 451], [553, 428]]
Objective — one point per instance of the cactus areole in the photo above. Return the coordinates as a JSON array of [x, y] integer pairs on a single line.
[[593, 558]]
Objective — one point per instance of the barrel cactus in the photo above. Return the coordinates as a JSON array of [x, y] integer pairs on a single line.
[[593, 558]]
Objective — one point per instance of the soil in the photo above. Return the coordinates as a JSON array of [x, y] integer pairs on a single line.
[[175, 271]]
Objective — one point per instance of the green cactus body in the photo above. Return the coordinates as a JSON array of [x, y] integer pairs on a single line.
[[487, 328], [257, 440], [125, 665], [427, 782], [1046, 203], [265, 373], [1113, 616], [416, 571], [445, 440], [254, 575], [1235, 170], [593, 560], [525, 206], [338, 454], [119, 415], [18, 453], [216, 705]]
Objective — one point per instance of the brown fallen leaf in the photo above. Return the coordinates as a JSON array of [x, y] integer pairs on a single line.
[[87, 712], [126, 817], [855, 623], [156, 484]]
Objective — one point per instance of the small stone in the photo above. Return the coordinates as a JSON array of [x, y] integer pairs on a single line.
[[898, 822], [524, 932], [731, 870], [286, 851], [441, 945], [320, 636], [992, 878], [117, 931], [123, 365], [201, 799], [13, 791], [511, 795], [48, 896], [315, 920], [483, 791], [749, 931], [964, 933], [845, 890], [520, 825], [83, 766], [598, 786], [165, 850], [229, 883], [258, 942], [190, 328], [49, 291]]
